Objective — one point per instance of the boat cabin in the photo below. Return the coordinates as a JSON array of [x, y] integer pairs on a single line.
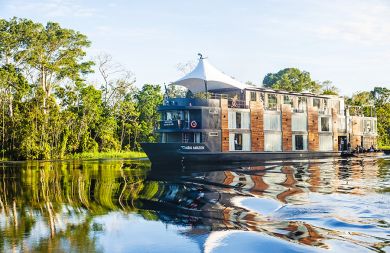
[[238, 117]]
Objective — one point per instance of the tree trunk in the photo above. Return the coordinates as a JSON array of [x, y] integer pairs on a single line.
[[43, 76], [122, 133]]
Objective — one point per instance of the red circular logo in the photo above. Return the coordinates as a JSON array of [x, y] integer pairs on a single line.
[[193, 124]]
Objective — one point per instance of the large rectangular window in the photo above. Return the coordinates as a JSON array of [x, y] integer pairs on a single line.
[[288, 100], [299, 142], [272, 121], [272, 141], [316, 102], [324, 124], [239, 142], [173, 115], [302, 104], [245, 120], [238, 119], [326, 142], [253, 96], [299, 122], [272, 102], [172, 137]]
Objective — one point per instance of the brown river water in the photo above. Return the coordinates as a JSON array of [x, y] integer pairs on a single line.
[[120, 205]]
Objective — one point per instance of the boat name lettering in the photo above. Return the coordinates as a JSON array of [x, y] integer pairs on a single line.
[[192, 147], [168, 123]]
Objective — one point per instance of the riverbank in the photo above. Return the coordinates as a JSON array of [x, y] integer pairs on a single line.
[[100, 155], [386, 149], [109, 154]]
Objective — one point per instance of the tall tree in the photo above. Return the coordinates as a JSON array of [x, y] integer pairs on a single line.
[[376, 101], [148, 98], [117, 81], [291, 79], [327, 88], [56, 54]]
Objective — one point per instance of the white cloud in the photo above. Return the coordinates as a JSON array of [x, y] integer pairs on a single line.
[[53, 8], [362, 22]]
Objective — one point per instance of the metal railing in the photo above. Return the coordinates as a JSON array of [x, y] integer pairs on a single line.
[[233, 103], [325, 111]]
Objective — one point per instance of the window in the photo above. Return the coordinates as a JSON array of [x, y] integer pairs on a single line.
[[325, 124], [342, 107], [299, 142], [253, 96], [341, 123], [245, 120], [235, 141], [172, 137], [272, 102], [197, 137], [288, 100], [246, 142], [326, 143], [272, 141], [336, 105], [326, 103], [316, 102], [261, 97], [368, 126], [272, 121], [163, 137], [186, 137], [173, 115], [299, 122], [239, 142], [238, 119], [301, 104]]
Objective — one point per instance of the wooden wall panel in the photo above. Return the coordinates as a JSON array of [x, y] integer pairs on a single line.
[[286, 128], [356, 132], [257, 126], [224, 126], [335, 130], [312, 127]]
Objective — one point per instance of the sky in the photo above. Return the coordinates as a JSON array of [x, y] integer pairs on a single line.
[[345, 41]]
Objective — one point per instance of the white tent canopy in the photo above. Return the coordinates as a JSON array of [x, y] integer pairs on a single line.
[[206, 74]]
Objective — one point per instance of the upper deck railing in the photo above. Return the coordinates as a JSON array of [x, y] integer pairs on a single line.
[[213, 100]]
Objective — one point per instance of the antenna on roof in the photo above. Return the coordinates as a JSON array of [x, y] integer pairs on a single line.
[[201, 56]]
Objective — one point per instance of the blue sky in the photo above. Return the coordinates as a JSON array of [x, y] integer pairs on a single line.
[[345, 41]]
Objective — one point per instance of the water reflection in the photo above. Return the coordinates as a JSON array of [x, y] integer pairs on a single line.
[[121, 205]]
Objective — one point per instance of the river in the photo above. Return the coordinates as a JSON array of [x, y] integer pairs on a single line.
[[121, 205]]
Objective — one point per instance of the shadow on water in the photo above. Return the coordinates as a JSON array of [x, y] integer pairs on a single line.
[[323, 205]]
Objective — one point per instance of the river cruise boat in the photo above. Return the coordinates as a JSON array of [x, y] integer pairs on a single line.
[[235, 122]]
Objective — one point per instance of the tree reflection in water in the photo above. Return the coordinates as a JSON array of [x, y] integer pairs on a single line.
[[51, 206]]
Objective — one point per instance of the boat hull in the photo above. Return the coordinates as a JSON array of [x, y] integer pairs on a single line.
[[187, 153]]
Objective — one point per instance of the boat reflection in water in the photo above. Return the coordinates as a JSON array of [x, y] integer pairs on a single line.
[[327, 205]]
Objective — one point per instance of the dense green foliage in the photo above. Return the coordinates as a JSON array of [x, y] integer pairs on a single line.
[[48, 110], [291, 79], [375, 102]]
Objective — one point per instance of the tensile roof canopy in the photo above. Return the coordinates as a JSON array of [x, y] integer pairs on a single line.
[[214, 78]]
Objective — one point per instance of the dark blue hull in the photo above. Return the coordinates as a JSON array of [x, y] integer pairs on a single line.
[[187, 153]]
